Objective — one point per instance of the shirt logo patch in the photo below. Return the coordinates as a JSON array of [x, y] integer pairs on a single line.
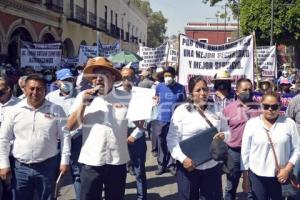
[[50, 115]]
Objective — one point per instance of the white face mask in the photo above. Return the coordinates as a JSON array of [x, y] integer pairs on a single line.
[[168, 80], [66, 87]]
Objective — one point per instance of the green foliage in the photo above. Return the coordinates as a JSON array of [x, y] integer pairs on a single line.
[[256, 16], [156, 29], [156, 23]]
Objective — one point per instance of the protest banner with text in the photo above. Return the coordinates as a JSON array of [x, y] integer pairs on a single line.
[[266, 60], [198, 58], [40, 58], [153, 56]]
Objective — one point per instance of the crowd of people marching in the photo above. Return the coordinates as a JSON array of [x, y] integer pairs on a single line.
[[74, 119]]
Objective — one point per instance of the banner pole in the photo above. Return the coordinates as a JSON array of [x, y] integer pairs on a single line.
[[255, 62]]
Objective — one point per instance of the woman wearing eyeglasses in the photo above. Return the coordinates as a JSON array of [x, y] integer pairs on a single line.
[[257, 156]]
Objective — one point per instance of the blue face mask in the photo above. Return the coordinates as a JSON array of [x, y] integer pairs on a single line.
[[66, 87]]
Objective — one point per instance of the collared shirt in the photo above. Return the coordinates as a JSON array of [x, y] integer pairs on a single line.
[[293, 110], [64, 101], [104, 129], [237, 115], [185, 124], [4, 108], [170, 96], [35, 134], [257, 154]]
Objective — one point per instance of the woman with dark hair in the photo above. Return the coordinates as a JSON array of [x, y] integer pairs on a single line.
[[265, 137], [203, 180]]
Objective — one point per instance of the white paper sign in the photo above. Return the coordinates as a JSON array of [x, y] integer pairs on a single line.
[[197, 58], [141, 103], [266, 60]]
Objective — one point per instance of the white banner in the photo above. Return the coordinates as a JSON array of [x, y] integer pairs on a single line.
[[31, 45], [86, 52], [107, 50], [197, 58], [153, 56], [39, 58], [266, 60]]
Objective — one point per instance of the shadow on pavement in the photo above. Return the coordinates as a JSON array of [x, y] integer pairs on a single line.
[[151, 168], [152, 196], [154, 182]]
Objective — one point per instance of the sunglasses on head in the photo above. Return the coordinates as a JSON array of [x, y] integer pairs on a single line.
[[273, 107]]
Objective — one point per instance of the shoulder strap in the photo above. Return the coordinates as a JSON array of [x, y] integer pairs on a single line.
[[273, 149], [203, 115]]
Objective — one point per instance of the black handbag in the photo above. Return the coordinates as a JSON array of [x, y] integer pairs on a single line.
[[219, 150]]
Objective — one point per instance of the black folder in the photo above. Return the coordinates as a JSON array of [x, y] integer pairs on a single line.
[[197, 147]]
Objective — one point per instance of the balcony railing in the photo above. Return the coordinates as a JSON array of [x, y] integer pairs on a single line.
[[102, 24], [92, 19], [55, 5], [80, 14], [35, 1]]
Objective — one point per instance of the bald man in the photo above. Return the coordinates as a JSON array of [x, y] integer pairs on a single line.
[[136, 140]]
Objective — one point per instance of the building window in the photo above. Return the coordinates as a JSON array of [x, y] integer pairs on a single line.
[[105, 17], [111, 17], [116, 19], [204, 40]]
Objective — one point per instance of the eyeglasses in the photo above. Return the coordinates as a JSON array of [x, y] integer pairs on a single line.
[[273, 107], [127, 78]]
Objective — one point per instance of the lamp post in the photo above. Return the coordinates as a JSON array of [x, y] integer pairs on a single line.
[[272, 22]]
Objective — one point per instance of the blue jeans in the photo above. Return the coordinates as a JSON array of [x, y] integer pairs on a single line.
[[27, 178], [233, 178], [137, 152], [75, 167]]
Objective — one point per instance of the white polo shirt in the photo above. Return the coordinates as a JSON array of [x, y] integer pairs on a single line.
[[35, 134], [104, 129]]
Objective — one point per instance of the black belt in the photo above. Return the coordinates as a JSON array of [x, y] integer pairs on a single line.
[[38, 164], [236, 149]]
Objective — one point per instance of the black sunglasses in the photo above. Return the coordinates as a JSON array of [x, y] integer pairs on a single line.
[[273, 107]]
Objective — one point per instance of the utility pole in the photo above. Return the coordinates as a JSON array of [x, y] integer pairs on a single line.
[[272, 22], [225, 33]]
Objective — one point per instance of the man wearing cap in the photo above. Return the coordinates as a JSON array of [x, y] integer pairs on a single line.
[[223, 93], [286, 94], [101, 111], [64, 97], [169, 95], [34, 126]]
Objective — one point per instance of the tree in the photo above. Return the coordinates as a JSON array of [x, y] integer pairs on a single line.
[[156, 23], [156, 29]]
